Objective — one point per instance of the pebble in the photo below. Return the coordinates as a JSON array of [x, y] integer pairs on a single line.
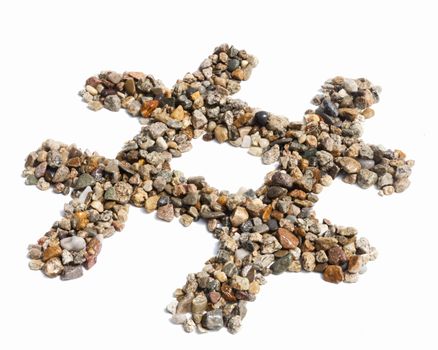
[[234, 324], [166, 212], [113, 103], [255, 151], [53, 267], [84, 181], [287, 239], [51, 252], [308, 260], [333, 274], [213, 320], [349, 165], [35, 264], [246, 142], [261, 118], [71, 272], [198, 119], [282, 179], [74, 243], [336, 256], [221, 134], [280, 265], [271, 156], [189, 325], [199, 304], [239, 216], [61, 175], [354, 264], [366, 178], [240, 283]]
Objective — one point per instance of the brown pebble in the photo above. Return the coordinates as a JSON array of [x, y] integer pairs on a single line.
[[148, 107], [336, 255], [333, 274], [52, 252], [287, 239], [354, 263]]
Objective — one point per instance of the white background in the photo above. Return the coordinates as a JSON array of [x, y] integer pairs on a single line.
[[48, 49]]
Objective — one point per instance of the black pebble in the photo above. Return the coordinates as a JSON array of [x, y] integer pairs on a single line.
[[261, 118]]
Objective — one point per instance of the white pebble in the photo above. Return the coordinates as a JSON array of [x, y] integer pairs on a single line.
[[74, 243], [84, 194], [246, 142]]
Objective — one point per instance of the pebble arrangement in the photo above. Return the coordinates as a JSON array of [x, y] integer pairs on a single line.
[[271, 230]]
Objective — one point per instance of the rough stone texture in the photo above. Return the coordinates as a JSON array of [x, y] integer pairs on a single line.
[[266, 230]]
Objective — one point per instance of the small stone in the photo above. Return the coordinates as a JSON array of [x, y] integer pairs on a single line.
[[130, 86], [171, 307], [348, 113], [151, 203], [366, 178], [271, 156], [31, 180], [114, 77], [336, 255], [113, 103], [166, 212], [148, 107], [221, 134], [189, 325], [333, 274], [349, 165], [385, 180], [74, 243], [84, 180], [239, 216], [255, 151], [40, 170], [287, 239], [81, 220], [308, 260], [330, 108], [363, 246], [34, 253], [43, 185], [213, 320], [123, 192], [198, 119], [254, 287], [321, 256], [275, 192], [66, 257], [62, 174], [234, 324], [350, 85], [280, 265], [95, 105], [282, 179], [177, 113], [401, 184], [52, 252], [186, 220], [35, 264], [261, 118], [238, 74], [53, 267], [71, 272], [190, 198], [199, 304], [246, 142], [354, 264], [179, 318], [240, 283], [351, 277]]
